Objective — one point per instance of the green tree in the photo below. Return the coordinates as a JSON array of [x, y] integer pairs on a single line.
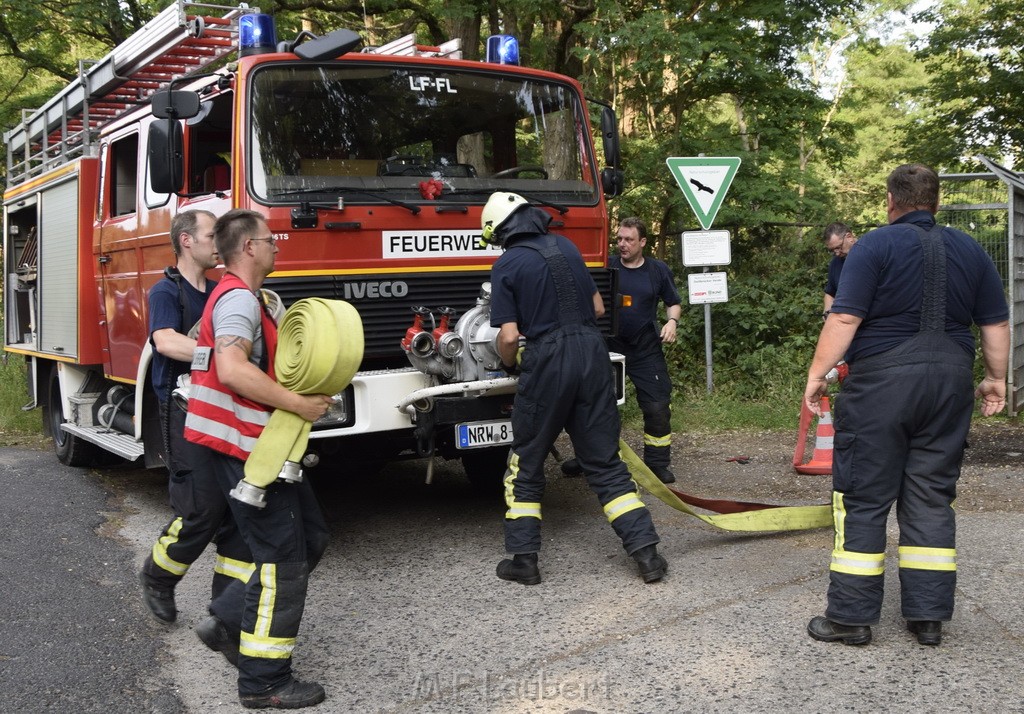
[[977, 82], [722, 79], [882, 105]]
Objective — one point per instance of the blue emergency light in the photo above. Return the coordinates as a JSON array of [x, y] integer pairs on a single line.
[[503, 49], [256, 35]]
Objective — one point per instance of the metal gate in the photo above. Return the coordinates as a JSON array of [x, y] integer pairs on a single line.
[[990, 207]]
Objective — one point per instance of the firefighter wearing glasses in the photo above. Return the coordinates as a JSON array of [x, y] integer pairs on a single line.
[[233, 393]]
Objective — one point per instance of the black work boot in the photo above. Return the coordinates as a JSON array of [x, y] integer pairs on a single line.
[[825, 630], [294, 695], [652, 566], [664, 473], [159, 600], [929, 632], [521, 568], [215, 635]]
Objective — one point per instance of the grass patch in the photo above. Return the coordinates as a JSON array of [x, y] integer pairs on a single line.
[[16, 426], [695, 411]]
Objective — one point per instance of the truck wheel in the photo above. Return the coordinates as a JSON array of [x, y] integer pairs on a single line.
[[485, 468], [71, 451]]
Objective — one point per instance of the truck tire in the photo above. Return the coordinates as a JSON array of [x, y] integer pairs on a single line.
[[71, 451], [485, 468]]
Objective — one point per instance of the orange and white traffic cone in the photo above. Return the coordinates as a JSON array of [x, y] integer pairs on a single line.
[[821, 460]]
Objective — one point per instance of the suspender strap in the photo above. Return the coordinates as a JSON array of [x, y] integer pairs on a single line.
[[933, 295], [565, 282], [187, 321]]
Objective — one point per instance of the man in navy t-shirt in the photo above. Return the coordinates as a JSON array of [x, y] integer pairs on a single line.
[[902, 317], [175, 304], [838, 239]]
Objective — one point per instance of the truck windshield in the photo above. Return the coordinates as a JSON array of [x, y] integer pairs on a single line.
[[368, 133]]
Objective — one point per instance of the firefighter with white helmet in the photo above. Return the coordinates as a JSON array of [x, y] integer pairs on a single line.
[[543, 294], [499, 207]]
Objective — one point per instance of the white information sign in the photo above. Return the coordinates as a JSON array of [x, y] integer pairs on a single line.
[[707, 288], [706, 248]]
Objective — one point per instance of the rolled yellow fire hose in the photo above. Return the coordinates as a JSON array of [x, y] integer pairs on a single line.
[[755, 517], [319, 348]]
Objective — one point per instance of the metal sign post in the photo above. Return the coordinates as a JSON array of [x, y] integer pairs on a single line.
[[704, 249]]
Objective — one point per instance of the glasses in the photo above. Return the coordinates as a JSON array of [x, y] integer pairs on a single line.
[[269, 239], [836, 244]]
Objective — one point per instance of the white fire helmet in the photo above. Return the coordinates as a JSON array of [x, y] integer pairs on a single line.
[[499, 207]]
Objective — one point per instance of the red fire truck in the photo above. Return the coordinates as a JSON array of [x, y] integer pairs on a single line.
[[371, 166]]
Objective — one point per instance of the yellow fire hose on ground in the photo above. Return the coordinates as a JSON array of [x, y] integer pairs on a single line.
[[319, 348], [730, 515]]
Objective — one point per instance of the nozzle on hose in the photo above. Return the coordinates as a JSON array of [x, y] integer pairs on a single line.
[[247, 492], [291, 472]]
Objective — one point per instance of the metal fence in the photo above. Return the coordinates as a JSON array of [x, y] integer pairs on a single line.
[[990, 207]]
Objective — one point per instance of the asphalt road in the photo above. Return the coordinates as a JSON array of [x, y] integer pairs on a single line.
[[72, 633], [405, 614]]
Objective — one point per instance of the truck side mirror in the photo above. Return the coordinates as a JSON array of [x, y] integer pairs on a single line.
[[166, 156], [175, 104], [613, 182], [612, 178], [610, 136]]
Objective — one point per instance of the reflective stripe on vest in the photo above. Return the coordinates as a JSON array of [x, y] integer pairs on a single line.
[[217, 417]]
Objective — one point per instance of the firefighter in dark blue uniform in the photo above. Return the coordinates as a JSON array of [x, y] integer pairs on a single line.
[[647, 281], [902, 315], [200, 510], [542, 292]]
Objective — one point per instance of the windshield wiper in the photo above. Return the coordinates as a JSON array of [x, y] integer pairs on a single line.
[[414, 209], [562, 210]]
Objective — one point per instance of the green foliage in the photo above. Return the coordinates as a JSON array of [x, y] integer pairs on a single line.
[[695, 411], [883, 82], [977, 81], [15, 423]]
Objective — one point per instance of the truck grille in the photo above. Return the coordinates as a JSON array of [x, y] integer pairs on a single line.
[[385, 303]]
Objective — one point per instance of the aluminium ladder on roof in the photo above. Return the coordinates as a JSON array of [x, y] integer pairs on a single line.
[[174, 44]]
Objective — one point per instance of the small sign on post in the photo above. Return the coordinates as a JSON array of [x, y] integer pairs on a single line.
[[706, 248], [707, 288]]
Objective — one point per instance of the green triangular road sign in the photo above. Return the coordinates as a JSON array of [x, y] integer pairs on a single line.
[[704, 180]]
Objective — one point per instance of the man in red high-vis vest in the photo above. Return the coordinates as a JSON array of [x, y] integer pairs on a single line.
[[232, 396]]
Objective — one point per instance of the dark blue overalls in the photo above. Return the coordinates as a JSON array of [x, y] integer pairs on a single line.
[[566, 383], [900, 435]]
